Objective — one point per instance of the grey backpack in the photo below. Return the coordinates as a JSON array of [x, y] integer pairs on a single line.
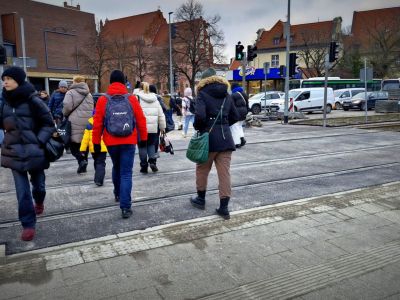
[[119, 120]]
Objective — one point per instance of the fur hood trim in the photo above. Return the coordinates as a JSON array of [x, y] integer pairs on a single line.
[[212, 79]]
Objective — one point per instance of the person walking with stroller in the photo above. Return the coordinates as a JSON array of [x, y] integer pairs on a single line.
[[28, 126], [215, 106]]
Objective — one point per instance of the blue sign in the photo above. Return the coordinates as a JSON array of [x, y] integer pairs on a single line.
[[258, 74]]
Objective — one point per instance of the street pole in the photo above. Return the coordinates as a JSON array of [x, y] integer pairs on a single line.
[[265, 95], [23, 43], [286, 113], [171, 79], [244, 62], [326, 86], [365, 86]]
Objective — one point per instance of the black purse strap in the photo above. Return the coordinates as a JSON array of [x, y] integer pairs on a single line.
[[219, 114]]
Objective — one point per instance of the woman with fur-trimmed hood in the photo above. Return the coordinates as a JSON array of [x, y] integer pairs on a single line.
[[212, 96]]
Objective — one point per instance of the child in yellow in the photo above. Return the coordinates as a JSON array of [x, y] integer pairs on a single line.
[[99, 158]]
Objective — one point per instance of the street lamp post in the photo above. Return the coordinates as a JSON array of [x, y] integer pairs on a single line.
[[171, 84]]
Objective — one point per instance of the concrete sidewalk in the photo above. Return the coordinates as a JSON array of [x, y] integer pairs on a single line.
[[339, 246]]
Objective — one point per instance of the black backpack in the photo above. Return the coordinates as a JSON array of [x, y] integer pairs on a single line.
[[192, 105], [119, 119]]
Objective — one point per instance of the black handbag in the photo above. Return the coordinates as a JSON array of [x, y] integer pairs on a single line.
[[54, 148], [64, 131]]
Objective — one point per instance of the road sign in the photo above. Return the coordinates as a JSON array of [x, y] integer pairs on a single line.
[[19, 62], [266, 68], [368, 74]]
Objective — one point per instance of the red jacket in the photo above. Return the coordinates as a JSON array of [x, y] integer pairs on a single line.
[[117, 88]]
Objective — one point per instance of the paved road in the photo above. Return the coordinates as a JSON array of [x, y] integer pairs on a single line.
[[279, 163]]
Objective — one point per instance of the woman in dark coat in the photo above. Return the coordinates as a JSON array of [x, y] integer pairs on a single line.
[[28, 126], [212, 95], [241, 101]]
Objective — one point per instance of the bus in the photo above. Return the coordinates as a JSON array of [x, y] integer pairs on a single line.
[[335, 83], [390, 84]]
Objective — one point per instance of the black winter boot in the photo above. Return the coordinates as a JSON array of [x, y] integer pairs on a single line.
[[144, 168], [200, 200], [223, 208], [242, 141], [153, 164]]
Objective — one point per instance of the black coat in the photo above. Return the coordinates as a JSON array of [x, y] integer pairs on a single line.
[[211, 94], [28, 126], [241, 102]]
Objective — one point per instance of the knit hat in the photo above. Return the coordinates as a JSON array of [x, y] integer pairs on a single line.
[[15, 73], [187, 92], [117, 76], [207, 73], [153, 88], [63, 83]]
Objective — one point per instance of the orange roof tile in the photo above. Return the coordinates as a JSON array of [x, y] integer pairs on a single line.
[[370, 22], [321, 29], [144, 25]]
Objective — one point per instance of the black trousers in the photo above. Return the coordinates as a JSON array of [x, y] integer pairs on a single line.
[[99, 166], [74, 147]]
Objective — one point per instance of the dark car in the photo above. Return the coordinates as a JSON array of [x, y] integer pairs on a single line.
[[358, 101], [96, 96]]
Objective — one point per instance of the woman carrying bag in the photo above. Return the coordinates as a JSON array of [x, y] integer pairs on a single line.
[[215, 112]]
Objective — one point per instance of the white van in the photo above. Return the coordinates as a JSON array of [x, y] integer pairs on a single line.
[[345, 95], [307, 100]]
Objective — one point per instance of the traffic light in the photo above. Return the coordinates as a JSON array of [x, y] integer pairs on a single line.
[[292, 64], [282, 71], [3, 55], [173, 30], [239, 52], [175, 79], [333, 51], [251, 52]]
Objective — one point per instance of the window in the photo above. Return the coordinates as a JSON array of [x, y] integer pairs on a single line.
[[345, 94], [274, 61], [275, 96], [276, 41], [304, 96]]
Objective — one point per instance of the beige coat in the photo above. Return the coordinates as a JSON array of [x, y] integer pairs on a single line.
[[152, 110], [79, 98]]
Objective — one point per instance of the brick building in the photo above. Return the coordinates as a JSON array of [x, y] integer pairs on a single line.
[[52, 37]]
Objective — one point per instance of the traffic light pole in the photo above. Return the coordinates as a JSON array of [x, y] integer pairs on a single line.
[[171, 84], [286, 113], [244, 62], [326, 86]]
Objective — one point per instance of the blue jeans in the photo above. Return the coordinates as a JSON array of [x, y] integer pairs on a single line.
[[122, 157], [148, 153], [1, 136], [26, 210], [188, 119]]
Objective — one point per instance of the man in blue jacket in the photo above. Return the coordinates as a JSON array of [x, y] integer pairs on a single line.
[[56, 101]]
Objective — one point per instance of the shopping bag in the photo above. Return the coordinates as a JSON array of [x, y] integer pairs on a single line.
[[64, 130], [198, 148]]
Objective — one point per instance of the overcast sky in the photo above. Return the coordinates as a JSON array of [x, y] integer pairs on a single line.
[[240, 19]]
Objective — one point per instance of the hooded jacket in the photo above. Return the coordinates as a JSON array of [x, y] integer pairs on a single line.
[[241, 102], [56, 104], [87, 139], [99, 130], [78, 107], [29, 125], [153, 112], [211, 92]]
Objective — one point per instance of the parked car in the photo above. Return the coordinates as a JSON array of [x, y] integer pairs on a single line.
[[260, 100], [345, 95], [358, 101], [306, 100], [96, 96]]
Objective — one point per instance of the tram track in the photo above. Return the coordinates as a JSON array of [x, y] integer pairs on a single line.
[[152, 200]]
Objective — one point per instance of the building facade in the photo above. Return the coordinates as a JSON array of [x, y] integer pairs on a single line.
[[46, 40]]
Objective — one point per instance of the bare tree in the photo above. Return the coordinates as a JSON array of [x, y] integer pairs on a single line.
[[120, 53], [141, 60], [313, 47], [199, 41], [93, 56], [383, 47]]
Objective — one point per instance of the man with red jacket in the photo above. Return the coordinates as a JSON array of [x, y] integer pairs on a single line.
[[121, 149]]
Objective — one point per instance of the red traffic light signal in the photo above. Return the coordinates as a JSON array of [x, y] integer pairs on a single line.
[[239, 52]]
